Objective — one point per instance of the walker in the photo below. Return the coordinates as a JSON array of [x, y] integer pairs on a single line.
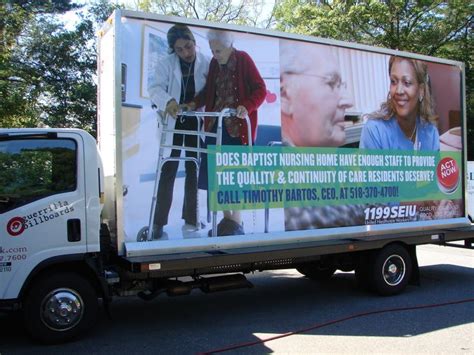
[[144, 234]]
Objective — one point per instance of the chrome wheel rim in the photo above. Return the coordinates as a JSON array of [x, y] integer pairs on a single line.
[[394, 270], [62, 309]]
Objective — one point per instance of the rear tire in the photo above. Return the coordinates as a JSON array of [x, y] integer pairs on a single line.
[[316, 271], [60, 307], [391, 270]]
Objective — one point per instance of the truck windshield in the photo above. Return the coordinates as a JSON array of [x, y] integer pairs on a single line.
[[31, 169]]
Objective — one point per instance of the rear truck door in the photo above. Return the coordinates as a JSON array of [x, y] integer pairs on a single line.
[[42, 202]]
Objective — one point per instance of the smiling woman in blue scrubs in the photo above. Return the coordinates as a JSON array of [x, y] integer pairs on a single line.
[[407, 119]]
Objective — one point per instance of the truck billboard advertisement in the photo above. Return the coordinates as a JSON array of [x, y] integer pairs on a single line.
[[321, 135]]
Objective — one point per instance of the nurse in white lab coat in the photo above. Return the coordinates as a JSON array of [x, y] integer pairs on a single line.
[[179, 77]]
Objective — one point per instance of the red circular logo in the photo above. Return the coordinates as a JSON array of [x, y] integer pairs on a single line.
[[447, 172], [15, 226]]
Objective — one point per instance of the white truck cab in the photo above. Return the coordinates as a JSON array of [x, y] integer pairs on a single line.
[[49, 216]]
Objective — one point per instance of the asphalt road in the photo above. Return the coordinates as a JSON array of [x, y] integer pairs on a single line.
[[336, 317]]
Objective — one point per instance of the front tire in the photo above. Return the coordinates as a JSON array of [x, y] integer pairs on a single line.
[[60, 307]]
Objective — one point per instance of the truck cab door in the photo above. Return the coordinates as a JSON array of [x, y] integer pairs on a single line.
[[42, 202]]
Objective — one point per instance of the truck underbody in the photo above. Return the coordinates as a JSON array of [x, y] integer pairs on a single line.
[[150, 276]]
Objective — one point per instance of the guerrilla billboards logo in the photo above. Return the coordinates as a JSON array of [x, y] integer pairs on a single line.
[[17, 225], [448, 175]]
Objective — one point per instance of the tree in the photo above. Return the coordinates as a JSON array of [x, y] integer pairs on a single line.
[[47, 71], [421, 26], [434, 28], [242, 12], [15, 17]]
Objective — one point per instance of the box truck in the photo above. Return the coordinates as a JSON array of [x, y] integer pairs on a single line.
[[288, 144]]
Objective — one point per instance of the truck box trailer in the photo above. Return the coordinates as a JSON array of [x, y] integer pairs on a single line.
[[224, 150]]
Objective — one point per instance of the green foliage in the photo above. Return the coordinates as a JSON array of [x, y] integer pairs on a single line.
[[35, 170], [243, 12], [17, 107], [421, 26], [434, 28], [27, 174], [47, 71]]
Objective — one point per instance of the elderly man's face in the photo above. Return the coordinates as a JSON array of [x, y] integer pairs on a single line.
[[220, 52], [316, 100]]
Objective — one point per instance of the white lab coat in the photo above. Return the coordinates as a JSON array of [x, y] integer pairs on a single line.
[[166, 84]]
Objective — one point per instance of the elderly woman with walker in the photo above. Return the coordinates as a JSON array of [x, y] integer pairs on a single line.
[[233, 82]]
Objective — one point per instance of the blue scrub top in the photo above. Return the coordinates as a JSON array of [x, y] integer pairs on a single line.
[[387, 134]]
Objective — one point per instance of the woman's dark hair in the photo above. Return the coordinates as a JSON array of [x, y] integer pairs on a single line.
[[178, 32], [426, 103]]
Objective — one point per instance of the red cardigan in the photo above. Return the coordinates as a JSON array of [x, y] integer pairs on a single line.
[[250, 91]]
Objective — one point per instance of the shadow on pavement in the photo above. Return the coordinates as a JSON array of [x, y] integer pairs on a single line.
[[282, 301]]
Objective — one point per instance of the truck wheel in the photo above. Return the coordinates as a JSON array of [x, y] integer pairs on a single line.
[[60, 307], [316, 271], [391, 270]]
